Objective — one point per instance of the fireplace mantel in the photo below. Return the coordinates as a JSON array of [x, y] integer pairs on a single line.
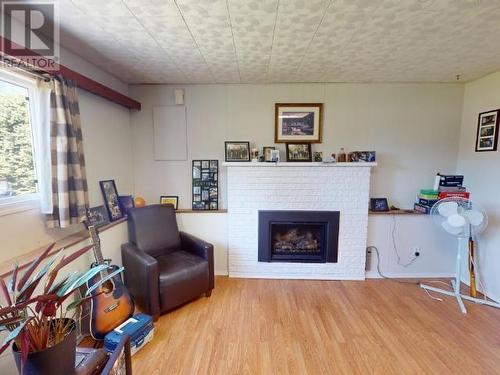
[[342, 187], [296, 164]]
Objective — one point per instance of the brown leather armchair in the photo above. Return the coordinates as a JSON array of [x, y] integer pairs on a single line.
[[164, 268]]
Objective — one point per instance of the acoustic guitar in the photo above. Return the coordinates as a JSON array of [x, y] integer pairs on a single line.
[[111, 304]]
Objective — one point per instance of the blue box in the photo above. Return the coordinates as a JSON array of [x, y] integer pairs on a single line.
[[139, 328]]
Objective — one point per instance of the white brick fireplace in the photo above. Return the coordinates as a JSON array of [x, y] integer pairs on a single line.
[[340, 187]]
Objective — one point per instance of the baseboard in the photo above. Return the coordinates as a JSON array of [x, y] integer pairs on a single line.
[[221, 273], [294, 277], [407, 275]]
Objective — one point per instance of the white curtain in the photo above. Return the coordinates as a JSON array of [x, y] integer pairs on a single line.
[[40, 100]]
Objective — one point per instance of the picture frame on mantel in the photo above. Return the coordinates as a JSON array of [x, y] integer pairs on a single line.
[[237, 151], [487, 131], [297, 152], [298, 122]]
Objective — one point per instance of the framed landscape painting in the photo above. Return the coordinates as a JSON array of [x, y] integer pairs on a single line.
[[487, 131], [298, 122]]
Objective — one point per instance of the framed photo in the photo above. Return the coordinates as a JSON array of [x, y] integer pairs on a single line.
[[275, 156], [379, 205], [108, 188], [298, 152], [237, 151], [126, 203], [298, 122], [205, 190], [487, 131], [120, 362], [318, 156], [170, 199], [96, 216], [266, 153]]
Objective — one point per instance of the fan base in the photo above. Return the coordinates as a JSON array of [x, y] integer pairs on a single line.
[[459, 296]]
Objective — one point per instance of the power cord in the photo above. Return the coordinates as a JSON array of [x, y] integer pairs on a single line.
[[380, 272], [393, 235]]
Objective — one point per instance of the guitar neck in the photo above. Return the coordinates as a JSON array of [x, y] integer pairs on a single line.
[[97, 245]]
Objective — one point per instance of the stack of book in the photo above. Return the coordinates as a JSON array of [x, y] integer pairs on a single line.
[[450, 186], [425, 200]]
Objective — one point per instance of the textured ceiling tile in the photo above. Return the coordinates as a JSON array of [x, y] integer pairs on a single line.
[[285, 41]]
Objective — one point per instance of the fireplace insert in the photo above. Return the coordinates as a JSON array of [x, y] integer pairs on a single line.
[[298, 236]]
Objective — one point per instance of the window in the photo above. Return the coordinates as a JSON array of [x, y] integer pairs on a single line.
[[18, 181]]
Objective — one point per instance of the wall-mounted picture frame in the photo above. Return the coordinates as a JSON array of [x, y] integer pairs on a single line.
[[267, 153], [379, 205], [298, 152], [237, 151], [97, 217], [298, 122], [487, 131], [205, 189], [170, 199], [110, 195]]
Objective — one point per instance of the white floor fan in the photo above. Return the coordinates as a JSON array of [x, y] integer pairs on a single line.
[[462, 219]]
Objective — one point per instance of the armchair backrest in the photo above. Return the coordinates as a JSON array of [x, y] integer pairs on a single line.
[[153, 229]]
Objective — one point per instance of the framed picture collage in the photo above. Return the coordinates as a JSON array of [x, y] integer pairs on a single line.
[[205, 185]]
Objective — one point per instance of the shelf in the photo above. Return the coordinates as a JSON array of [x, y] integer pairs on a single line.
[[396, 212], [190, 211], [297, 164]]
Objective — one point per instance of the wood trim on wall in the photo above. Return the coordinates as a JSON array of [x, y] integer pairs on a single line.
[[82, 81]]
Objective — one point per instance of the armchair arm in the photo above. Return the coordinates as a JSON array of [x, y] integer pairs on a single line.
[[203, 249], [141, 278]]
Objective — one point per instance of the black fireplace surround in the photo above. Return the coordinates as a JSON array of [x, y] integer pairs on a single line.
[[298, 236]]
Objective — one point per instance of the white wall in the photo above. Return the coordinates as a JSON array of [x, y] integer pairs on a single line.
[[413, 127], [108, 153], [482, 176]]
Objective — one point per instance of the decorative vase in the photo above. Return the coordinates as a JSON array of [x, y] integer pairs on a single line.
[[56, 360]]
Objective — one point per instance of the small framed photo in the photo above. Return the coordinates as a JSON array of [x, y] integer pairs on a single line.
[[298, 152], [298, 122], [487, 131], [126, 203], [275, 156], [108, 189], [379, 205], [266, 152], [318, 156], [237, 151], [97, 217], [170, 199]]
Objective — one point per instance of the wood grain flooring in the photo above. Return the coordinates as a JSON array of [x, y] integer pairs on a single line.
[[255, 326]]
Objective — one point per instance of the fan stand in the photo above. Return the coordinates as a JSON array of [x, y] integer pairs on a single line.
[[456, 288]]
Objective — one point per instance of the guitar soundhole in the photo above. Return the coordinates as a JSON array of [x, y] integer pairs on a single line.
[[107, 287]]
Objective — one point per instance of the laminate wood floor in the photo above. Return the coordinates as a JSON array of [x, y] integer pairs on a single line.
[[255, 326]]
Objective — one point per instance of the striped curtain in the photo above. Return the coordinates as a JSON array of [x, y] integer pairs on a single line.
[[69, 181]]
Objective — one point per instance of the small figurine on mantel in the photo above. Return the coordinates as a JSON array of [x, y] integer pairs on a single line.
[[255, 155]]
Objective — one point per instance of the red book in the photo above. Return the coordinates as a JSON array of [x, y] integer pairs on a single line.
[[454, 194]]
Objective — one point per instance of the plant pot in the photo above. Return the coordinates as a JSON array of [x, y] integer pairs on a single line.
[[56, 360]]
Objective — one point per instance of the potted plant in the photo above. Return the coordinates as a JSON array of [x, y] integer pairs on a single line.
[[39, 316]]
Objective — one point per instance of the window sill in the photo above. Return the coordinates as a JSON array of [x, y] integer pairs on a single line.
[[13, 205]]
